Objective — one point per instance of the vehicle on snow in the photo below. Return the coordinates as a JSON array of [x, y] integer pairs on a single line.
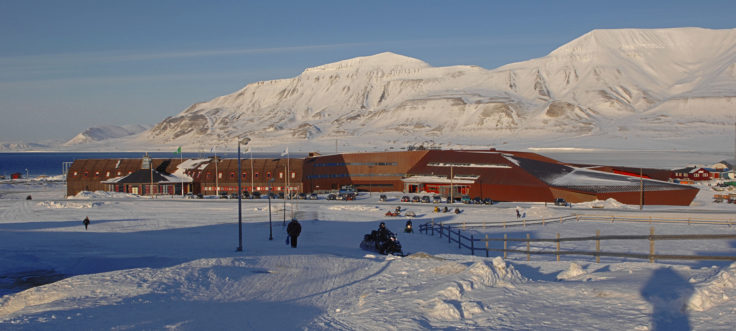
[[386, 244]]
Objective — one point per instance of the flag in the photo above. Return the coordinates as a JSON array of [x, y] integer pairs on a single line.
[[178, 151], [286, 152]]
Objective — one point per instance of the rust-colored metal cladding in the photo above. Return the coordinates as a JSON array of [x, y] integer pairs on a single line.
[[377, 172], [486, 174]]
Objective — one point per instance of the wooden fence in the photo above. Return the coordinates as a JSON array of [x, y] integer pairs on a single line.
[[467, 240]]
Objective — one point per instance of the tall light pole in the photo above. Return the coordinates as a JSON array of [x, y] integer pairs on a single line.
[[370, 181], [285, 174], [270, 227], [243, 141]]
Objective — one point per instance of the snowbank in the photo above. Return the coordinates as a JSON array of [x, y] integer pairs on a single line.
[[70, 204], [715, 291], [102, 195]]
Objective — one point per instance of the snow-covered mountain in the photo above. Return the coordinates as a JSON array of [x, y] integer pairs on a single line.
[[99, 133], [662, 88]]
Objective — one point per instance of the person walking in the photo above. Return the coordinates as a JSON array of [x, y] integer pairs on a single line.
[[86, 222], [293, 230], [518, 214]]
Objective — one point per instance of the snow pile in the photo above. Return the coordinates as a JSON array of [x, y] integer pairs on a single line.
[[69, 204], [495, 274], [102, 195], [609, 203], [714, 292], [572, 272], [353, 208]]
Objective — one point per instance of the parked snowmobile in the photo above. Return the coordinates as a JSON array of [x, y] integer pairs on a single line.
[[385, 243]]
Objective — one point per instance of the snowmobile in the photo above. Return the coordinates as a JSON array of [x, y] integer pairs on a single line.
[[388, 245], [392, 214]]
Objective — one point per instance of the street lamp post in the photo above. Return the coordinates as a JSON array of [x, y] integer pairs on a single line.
[[270, 227], [243, 141]]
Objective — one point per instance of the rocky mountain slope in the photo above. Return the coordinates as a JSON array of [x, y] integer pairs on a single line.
[[665, 87], [99, 133]]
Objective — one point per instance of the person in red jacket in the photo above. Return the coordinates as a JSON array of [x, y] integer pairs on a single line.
[[293, 230]]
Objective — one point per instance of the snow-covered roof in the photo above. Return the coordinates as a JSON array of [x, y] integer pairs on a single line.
[[440, 179]]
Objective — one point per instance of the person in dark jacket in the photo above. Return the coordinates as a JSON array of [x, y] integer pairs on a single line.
[[383, 233], [409, 228], [293, 229], [86, 222]]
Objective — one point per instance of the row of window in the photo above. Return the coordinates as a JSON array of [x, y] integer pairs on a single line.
[[190, 173], [233, 175], [97, 173]]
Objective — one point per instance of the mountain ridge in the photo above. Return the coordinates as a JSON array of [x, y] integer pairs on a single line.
[[667, 88]]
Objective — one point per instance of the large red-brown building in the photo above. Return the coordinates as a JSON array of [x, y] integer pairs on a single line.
[[498, 175]]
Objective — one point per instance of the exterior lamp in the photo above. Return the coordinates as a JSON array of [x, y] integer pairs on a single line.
[[243, 141]]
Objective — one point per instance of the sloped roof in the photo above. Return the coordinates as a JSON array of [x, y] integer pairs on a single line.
[[141, 176]]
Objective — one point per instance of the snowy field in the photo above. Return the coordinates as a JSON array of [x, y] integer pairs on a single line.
[[171, 264]]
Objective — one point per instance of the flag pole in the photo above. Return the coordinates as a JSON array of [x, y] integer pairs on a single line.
[[217, 182], [251, 170], [181, 179]]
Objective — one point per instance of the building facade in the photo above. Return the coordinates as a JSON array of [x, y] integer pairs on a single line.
[[496, 175]]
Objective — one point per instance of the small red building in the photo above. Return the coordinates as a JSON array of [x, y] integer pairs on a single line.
[[16, 175], [693, 173]]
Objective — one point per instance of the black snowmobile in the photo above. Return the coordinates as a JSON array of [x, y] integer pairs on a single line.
[[386, 245]]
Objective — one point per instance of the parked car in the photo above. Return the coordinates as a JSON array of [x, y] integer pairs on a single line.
[[302, 196], [233, 195], [405, 199], [477, 201], [437, 199], [313, 196], [256, 195], [349, 196], [416, 198], [465, 199], [281, 195], [382, 197], [488, 201], [189, 195], [560, 202], [331, 196], [425, 199]]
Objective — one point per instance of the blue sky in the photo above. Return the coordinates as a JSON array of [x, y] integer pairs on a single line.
[[69, 65]]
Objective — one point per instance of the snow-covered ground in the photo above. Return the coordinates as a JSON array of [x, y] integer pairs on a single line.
[[170, 263]]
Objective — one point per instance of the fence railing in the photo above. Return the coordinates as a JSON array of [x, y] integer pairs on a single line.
[[468, 240], [596, 218]]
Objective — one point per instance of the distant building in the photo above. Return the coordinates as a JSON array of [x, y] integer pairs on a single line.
[[16, 175], [497, 175]]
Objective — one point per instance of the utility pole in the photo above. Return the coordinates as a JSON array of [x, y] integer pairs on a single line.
[[452, 185], [641, 189]]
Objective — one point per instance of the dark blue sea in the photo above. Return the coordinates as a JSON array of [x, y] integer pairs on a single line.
[[51, 163]]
